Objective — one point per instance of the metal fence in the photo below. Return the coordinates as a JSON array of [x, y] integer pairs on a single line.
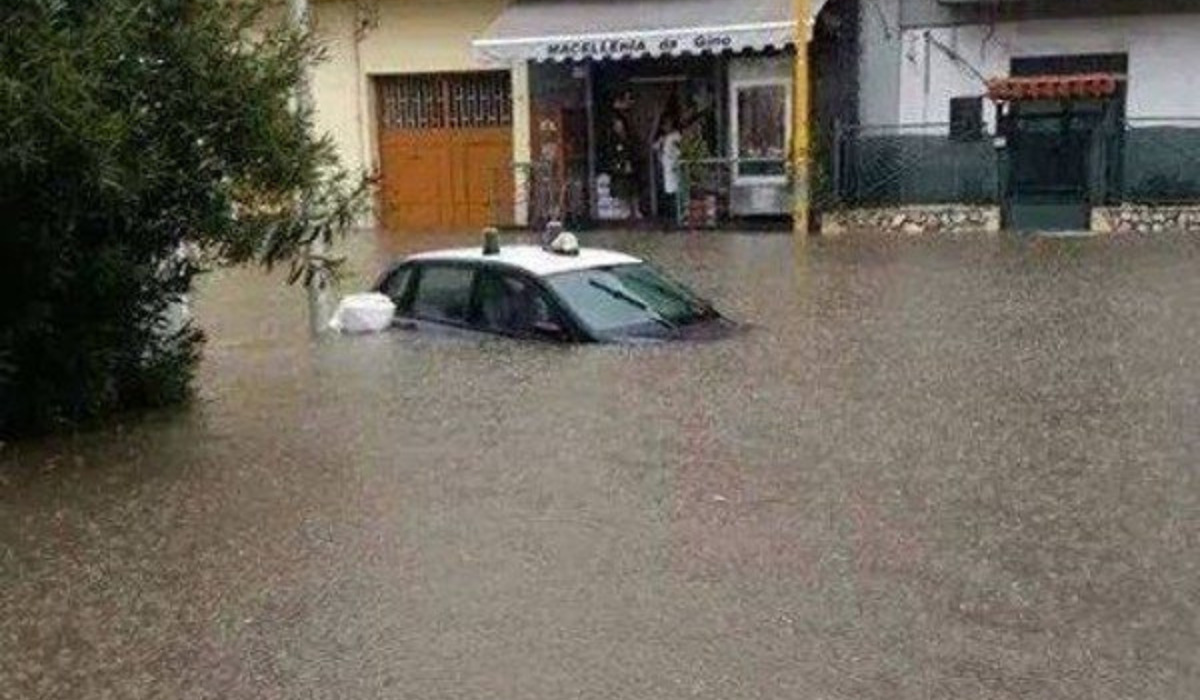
[[1161, 161], [911, 164], [1155, 160]]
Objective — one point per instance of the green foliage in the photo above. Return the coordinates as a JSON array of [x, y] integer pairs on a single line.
[[132, 131], [694, 146]]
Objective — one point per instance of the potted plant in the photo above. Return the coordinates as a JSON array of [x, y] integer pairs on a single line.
[[701, 181]]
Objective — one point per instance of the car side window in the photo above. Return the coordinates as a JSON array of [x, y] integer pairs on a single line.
[[513, 305], [443, 293], [396, 284]]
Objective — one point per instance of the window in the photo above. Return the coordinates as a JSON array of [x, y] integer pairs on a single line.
[[513, 305], [441, 101], [761, 124], [628, 296], [396, 284], [443, 293], [966, 118]]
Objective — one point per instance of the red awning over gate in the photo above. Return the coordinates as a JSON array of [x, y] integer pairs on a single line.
[[1054, 87]]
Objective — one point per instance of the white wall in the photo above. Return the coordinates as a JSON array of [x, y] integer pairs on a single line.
[[879, 62], [1164, 51]]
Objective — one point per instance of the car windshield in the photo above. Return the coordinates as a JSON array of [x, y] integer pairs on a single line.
[[609, 299]]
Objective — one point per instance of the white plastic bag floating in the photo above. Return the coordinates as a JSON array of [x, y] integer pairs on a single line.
[[363, 313]]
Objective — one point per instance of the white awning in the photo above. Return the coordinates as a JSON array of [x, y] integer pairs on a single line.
[[576, 30]]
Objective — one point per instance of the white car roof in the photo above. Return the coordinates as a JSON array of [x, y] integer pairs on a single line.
[[532, 259]]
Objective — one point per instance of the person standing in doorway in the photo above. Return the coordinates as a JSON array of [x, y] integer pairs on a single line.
[[670, 152], [623, 155]]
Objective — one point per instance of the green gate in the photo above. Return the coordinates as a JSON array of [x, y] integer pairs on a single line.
[[1057, 152]]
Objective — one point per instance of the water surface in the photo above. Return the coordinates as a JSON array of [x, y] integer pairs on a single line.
[[962, 468]]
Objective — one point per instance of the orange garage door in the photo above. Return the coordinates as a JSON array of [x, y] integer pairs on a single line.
[[445, 146]]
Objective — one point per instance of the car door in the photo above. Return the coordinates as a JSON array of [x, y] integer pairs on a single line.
[[438, 297], [513, 304]]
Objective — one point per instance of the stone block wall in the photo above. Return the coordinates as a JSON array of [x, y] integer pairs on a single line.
[[913, 220], [1146, 218]]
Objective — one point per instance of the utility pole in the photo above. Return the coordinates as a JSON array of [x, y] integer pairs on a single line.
[[801, 167], [298, 13]]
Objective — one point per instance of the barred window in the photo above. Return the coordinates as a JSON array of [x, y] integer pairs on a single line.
[[440, 101]]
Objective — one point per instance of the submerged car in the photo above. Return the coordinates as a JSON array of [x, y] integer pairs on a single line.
[[561, 293]]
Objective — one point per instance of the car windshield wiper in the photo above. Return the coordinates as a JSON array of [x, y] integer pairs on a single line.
[[632, 301], [699, 308]]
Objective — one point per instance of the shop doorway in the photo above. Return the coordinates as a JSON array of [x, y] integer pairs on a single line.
[[635, 101], [655, 99]]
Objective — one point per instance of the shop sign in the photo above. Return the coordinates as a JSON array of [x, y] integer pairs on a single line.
[[621, 47]]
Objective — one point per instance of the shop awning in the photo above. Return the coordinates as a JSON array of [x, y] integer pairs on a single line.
[[576, 30], [1053, 87]]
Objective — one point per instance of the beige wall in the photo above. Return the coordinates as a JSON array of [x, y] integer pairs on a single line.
[[416, 36], [408, 36], [336, 86]]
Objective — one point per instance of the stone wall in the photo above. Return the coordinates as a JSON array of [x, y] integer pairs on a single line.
[[1146, 218], [913, 220]]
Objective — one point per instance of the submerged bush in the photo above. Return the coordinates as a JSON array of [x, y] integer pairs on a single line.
[[141, 141]]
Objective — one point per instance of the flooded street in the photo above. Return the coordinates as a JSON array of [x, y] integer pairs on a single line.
[[940, 469]]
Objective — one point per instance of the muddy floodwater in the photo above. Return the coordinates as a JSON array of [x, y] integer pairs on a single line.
[[953, 469]]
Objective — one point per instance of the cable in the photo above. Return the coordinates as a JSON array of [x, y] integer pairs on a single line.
[[955, 56], [883, 20]]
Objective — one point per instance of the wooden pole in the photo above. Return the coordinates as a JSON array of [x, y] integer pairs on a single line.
[[801, 167]]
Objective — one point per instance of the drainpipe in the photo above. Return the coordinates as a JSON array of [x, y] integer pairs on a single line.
[[800, 127], [298, 13]]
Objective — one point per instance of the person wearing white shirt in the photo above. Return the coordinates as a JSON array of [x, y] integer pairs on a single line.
[[670, 152]]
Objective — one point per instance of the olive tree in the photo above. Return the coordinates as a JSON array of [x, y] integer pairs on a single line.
[[142, 141]]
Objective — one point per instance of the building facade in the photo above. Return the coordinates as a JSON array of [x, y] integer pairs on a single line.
[[474, 112], [404, 98], [1022, 113], [625, 95], [1051, 114]]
